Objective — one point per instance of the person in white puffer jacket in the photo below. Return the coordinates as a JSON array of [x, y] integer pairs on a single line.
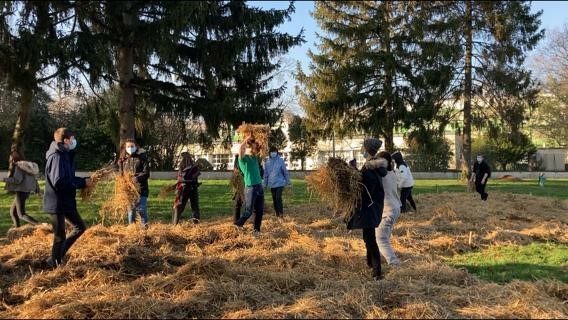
[[405, 181]]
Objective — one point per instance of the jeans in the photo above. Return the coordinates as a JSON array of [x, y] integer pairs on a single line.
[[373, 253], [406, 193], [277, 200], [384, 232], [18, 209], [254, 199], [142, 208], [480, 188], [61, 244], [188, 192]]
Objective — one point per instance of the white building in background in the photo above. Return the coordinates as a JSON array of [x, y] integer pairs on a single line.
[[347, 148]]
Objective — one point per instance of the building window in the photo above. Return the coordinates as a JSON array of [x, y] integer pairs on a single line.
[[221, 161]]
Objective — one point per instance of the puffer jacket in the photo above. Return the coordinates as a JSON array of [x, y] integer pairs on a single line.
[[24, 177], [138, 164]]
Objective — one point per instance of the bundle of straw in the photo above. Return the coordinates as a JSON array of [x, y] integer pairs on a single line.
[[260, 133], [165, 190], [339, 185], [238, 185], [126, 195], [101, 174]]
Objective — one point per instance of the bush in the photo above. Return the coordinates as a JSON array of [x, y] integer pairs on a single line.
[[508, 151], [204, 165]]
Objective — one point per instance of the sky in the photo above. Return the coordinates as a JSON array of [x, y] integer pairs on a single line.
[[554, 15]]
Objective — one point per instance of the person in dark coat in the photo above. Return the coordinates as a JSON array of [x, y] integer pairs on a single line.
[[480, 175], [368, 216], [60, 190], [134, 159], [21, 180], [186, 188]]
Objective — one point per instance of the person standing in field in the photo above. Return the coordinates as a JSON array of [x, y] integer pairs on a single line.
[[368, 215], [60, 190], [254, 193], [186, 188], [276, 177], [480, 175], [21, 180], [405, 182], [391, 212], [135, 160]]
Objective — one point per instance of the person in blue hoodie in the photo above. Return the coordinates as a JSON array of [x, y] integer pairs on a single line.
[[276, 177], [59, 196]]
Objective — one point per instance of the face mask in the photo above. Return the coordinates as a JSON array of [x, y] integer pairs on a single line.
[[73, 144], [479, 160], [130, 150], [365, 154], [273, 154]]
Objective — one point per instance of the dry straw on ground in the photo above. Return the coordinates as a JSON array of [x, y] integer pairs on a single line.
[[260, 133], [306, 266], [338, 185], [126, 195]]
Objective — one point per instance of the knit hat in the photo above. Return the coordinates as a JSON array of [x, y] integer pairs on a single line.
[[62, 133], [372, 145]]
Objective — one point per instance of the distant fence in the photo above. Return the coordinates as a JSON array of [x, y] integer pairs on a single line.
[[226, 175]]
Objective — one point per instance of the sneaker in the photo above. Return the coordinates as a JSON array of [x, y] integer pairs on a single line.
[[194, 220]]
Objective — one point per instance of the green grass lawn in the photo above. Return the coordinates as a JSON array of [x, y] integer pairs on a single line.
[[505, 263], [215, 198]]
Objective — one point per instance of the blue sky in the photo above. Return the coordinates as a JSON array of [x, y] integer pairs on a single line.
[[555, 13]]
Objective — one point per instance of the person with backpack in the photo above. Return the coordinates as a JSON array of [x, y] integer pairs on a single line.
[[186, 188], [480, 174], [22, 180], [60, 191], [405, 182], [276, 177], [368, 216], [135, 160]]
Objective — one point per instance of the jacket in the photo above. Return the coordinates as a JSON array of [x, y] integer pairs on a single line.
[[24, 177], [60, 180], [392, 200], [480, 169], [138, 164], [404, 176], [275, 173], [372, 196]]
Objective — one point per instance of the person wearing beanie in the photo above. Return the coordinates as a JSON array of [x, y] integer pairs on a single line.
[[480, 174], [405, 182], [60, 191], [276, 177], [368, 216]]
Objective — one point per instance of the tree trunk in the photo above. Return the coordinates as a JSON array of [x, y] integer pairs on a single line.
[[126, 111], [26, 103], [389, 76], [467, 91], [302, 164]]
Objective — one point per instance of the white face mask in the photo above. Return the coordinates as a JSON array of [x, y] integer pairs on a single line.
[[273, 154], [131, 150], [73, 144], [479, 159]]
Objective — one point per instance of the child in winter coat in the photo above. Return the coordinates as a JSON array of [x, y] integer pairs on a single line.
[[186, 188], [134, 159], [405, 181], [276, 177], [21, 180], [391, 212]]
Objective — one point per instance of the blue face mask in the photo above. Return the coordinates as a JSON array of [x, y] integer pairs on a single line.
[[273, 154], [365, 154], [130, 150], [73, 144]]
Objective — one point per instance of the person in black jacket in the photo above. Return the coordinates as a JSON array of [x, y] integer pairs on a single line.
[[368, 216], [59, 196], [186, 188], [134, 159], [480, 175]]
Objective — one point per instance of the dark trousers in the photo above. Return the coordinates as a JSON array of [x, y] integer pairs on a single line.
[[238, 205], [480, 188], [188, 192], [254, 200], [18, 209], [406, 193], [373, 253], [277, 200], [61, 244]]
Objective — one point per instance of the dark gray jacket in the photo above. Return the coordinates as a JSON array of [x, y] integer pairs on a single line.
[[24, 178]]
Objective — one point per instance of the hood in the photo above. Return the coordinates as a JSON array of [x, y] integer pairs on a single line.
[[54, 148], [397, 157], [28, 167], [375, 163]]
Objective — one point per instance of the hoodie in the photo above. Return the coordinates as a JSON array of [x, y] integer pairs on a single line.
[[24, 177], [403, 174], [60, 180]]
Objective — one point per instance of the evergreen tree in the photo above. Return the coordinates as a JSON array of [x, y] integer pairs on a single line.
[[303, 141]]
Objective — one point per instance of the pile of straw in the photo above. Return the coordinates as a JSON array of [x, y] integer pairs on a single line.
[[167, 189], [104, 173], [260, 133], [238, 185], [338, 185], [126, 195]]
